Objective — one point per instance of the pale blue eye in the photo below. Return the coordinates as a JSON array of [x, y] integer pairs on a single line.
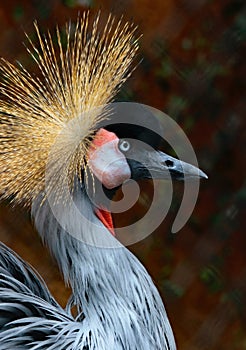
[[124, 145]]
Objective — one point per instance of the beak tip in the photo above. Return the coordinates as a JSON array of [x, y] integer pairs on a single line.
[[203, 175]]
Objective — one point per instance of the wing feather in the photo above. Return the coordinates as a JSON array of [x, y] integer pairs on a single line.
[[30, 318]]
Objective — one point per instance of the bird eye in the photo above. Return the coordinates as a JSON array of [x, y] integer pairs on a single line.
[[124, 145]]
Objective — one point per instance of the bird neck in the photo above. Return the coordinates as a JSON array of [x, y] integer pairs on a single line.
[[109, 284]]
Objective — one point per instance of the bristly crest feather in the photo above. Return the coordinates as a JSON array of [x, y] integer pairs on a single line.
[[47, 123]]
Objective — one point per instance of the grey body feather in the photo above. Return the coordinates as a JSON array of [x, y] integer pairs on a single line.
[[119, 308]]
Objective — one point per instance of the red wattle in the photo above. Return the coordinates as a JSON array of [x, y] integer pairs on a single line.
[[106, 218]]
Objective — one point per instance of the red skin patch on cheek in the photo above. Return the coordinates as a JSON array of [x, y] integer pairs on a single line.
[[105, 160], [103, 136]]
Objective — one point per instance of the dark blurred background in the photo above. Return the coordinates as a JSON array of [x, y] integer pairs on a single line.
[[192, 68]]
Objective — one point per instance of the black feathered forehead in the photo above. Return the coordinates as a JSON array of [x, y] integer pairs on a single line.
[[135, 121]]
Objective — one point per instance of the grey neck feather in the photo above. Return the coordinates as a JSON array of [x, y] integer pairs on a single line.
[[122, 307]]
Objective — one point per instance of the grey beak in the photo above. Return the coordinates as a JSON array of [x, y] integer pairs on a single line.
[[176, 168], [159, 165]]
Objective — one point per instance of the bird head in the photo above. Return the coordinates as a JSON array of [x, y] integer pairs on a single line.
[[56, 128], [131, 150]]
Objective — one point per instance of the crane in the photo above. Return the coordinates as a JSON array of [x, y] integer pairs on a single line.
[[53, 145]]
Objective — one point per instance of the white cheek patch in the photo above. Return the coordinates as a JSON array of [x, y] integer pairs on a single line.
[[109, 165]]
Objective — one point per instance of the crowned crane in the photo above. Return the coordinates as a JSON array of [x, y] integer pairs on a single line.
[[52, 142]]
